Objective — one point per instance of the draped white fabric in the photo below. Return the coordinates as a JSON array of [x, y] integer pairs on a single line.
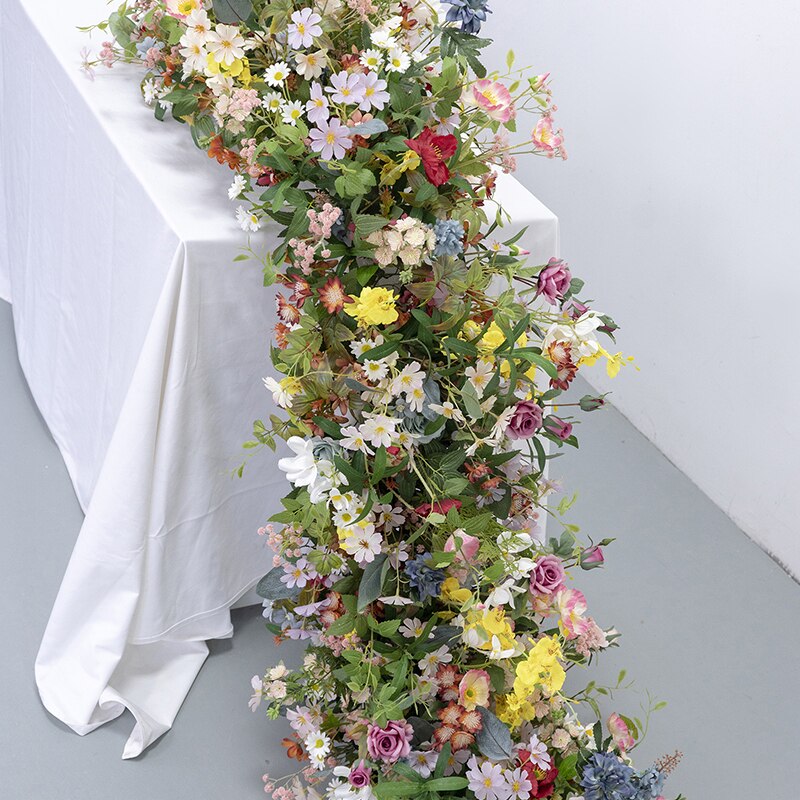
[[144, 345]]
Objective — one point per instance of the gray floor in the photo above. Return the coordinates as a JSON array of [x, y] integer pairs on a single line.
[[709, 624]]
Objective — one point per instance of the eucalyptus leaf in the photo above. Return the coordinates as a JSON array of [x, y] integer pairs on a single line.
[[231, 12], [494, 738], [270, 587]]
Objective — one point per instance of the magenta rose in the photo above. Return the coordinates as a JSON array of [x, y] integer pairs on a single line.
[[360, 776], [560, 429], [554, 280], [526, 421], [391, 743], [547, 576]]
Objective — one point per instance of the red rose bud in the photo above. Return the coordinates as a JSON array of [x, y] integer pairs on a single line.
[[592, 557]]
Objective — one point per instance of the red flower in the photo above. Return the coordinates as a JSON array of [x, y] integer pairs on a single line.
[[441, 507], [434, 151], [543, 782]]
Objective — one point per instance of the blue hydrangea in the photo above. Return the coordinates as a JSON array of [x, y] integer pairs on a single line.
[[650, 784], [605, 777], [470, 13], [449, 237], [146, 43], [424, 578]]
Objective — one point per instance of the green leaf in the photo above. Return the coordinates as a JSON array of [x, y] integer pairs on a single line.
[[369, 590], [451, 784], [379, 352], [369, 223], [331, 428], [494, 738]]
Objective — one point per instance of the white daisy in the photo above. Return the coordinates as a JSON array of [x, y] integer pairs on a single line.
[[291, 112], [248, 220], [237, 187], [398, 60], [371, 59], [272, 102], [277, 73]]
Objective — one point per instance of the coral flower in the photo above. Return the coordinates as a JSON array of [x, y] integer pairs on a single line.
[[494, 99], [332, 295], [434, 151], [545, 139]]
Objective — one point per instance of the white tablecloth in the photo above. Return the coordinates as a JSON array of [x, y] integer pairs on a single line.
[[143, 345]]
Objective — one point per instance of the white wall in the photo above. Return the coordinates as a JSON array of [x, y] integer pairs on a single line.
[[680, 206]]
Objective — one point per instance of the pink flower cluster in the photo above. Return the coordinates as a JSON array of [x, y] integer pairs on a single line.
[[320, 223], [239, 104], [304, 254]]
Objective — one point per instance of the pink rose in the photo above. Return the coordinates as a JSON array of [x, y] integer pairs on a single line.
[[620, 732], [391, 743], [526, 421], [560, 429], [464, 545], [554, 281], [547, 576]]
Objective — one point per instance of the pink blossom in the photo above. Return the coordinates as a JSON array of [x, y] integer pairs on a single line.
[[494, 99], [546, 140], [571, 606]]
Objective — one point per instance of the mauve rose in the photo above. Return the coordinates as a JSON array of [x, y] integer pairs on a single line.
[[560, 429], [391, 743], [360, 776], [554, 280], [526, 421], [547, 576], [592, 557]]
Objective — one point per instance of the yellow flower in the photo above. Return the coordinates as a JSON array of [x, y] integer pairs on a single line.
[[392, 170], [514, 710], [614, 363], [185, 7], [482, 626], [453, 593], [541, 667], [239, 68], [374, 306]]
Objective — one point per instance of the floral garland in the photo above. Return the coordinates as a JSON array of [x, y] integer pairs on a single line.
[[421, 363]]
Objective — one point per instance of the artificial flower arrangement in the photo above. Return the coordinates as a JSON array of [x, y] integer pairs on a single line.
[[421, 361]]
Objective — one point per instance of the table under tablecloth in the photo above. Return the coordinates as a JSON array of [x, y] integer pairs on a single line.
[[143, 344]]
